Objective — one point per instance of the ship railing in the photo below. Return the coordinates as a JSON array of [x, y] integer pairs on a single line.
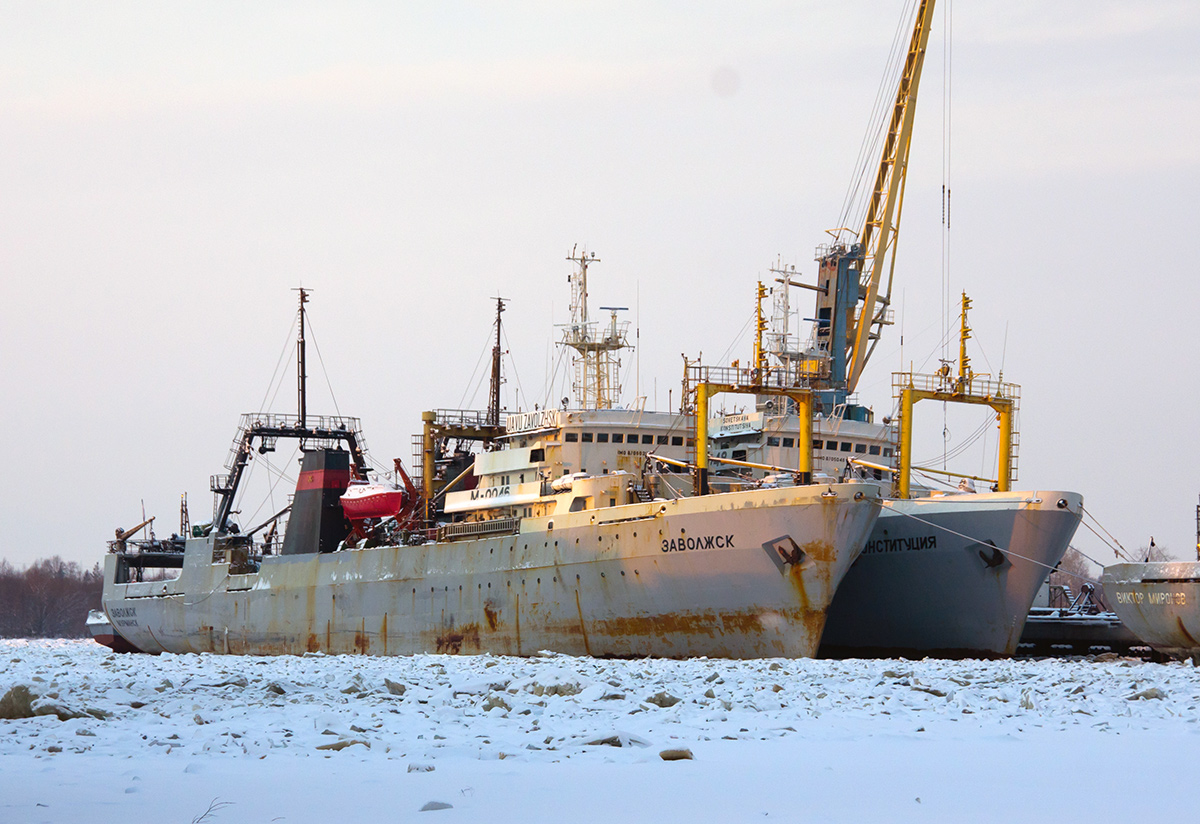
[[322, 425], [478, 529], [460, 417], [327, 431], [145, 546], [790, 375], [975, 385]]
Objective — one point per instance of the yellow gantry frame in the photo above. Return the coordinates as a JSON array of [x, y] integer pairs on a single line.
[[909, 395], [433, 428], [802, 397]]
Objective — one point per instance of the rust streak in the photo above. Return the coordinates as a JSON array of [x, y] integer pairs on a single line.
[[452, 641], [493, 618], [360, 638], [582, 627]]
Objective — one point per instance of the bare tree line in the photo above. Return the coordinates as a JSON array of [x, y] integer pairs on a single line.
[[48, 599]]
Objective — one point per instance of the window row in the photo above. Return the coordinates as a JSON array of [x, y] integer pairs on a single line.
[[848, 446], [833, 446], [621, 437]]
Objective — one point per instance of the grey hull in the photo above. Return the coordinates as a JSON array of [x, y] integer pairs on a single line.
[[919, 588], [1159, 603], [740, 575]]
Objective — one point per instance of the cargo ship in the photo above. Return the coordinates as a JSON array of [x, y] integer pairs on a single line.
[[573, 537], [1159, 601], [950, 573]]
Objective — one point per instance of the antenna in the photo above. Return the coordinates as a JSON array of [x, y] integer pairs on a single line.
[[493, 413], [301, 372]]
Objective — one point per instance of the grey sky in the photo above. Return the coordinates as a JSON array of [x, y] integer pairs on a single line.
[[170, 171]]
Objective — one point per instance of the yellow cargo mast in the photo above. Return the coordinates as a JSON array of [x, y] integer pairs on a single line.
[[969, 388], [760, 326]]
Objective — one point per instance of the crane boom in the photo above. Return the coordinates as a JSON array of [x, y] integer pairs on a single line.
[[878, 236]]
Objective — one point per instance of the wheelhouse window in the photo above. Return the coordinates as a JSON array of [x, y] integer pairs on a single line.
[[861, 448], [846, 446], [601, 437], [662, 439], [887, 453], [618, 437], [831, 446], [874, 450], [788, 443], [647, 439], [772, 441], [571, 437], [676, 440], [587, 437]]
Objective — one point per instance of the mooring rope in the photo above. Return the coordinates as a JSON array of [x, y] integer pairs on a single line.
[[1005, 550]]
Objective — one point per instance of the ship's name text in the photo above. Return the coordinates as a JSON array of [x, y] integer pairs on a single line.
[[1159, 599], [884, 545], [697, 542], [119, 613]]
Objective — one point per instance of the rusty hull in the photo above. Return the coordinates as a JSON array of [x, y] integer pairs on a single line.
[[736, 575], [1159, 603]]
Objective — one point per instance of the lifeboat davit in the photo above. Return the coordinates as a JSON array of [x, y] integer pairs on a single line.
[[372, 501]]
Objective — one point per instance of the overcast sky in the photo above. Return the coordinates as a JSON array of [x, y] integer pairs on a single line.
[[170, 171]]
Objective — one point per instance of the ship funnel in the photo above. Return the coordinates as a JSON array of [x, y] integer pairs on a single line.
[[317, 522]]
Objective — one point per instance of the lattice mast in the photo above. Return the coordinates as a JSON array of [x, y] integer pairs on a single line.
[[597, 363], [781, 342]]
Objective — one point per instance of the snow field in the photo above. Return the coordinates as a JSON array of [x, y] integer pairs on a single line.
[[525, 739]]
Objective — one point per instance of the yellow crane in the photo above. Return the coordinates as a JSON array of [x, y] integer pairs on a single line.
[[850, 306]]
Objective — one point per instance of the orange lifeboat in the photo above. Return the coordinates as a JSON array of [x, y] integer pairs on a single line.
[[372, 500]]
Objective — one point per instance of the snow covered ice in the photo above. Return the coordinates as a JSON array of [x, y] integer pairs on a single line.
[[484, 738]]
